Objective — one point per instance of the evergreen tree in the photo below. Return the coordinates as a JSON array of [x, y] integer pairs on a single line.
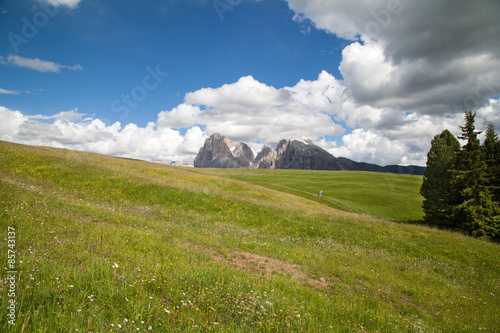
[[437, 188], [491, 151], [476, 210]]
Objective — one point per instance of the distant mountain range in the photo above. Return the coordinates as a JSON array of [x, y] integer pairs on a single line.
[[296, 153]]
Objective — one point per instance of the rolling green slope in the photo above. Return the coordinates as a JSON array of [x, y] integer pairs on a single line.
[[386, 195], [105, 244]]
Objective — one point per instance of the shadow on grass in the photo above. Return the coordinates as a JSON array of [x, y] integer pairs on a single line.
[[416, 222]]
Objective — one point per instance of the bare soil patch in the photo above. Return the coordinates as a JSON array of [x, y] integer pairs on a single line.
[[260, 264]]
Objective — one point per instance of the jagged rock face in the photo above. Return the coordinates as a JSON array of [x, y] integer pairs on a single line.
[[300, 154], [265, 159], [296, 153], [221, 152], [241, 152]]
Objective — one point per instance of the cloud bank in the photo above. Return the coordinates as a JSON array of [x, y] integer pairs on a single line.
[[251, 111], [428, 56], [67, 130]]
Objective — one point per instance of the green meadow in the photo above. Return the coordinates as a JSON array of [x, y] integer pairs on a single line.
[[106, 244], [386, 195]]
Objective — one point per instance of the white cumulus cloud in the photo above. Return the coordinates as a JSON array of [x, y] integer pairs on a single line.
[[67, 131], [251, 111]]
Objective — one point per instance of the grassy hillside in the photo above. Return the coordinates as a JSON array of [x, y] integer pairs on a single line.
[[113, 245], [391, 196]]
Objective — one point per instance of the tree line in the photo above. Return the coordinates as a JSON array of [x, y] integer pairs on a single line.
[[461, 186]]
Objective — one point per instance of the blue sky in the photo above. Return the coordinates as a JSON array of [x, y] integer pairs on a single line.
[[114, 42], [154, 79]]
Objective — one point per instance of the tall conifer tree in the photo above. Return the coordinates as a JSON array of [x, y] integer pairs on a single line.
[[440, 195], [475, 211], [491, 150]]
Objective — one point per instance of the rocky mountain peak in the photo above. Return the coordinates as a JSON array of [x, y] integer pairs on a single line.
[[296, 153], [222, 152]]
